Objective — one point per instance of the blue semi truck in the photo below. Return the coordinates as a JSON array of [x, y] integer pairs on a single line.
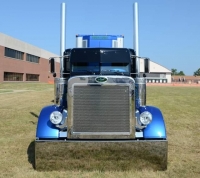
[[99, 107]]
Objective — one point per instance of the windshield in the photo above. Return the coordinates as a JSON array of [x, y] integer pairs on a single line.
[[101, 68], [100, 61], [85, 66]]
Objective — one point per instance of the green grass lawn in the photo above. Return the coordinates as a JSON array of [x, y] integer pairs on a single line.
[[4, 91], [18, 120]]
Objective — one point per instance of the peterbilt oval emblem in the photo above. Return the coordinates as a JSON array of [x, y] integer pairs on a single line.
[[101, 79]]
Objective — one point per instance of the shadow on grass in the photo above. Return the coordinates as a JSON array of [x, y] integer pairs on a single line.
[[35, 115], [31, 154]]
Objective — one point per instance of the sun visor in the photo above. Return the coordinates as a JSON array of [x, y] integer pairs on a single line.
[[85, 55], [100, 55], [115, 55]]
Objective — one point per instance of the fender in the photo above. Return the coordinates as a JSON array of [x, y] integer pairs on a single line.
[[156, 129], [45, 129]]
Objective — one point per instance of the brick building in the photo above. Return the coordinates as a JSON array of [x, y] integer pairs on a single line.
[[20, 61]]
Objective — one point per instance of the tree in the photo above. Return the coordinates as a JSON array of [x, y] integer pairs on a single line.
[[197, 73], [174, 71], [181, 73]]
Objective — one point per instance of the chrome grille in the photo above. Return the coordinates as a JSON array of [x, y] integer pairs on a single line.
[[101, 108]]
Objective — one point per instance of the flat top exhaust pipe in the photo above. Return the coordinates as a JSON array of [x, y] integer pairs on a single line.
[[62, 38], [136, 38]]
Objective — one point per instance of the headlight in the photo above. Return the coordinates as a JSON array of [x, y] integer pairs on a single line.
[[145, 118], [56, 117]]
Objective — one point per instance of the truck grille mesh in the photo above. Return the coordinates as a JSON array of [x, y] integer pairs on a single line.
[[101, 109]]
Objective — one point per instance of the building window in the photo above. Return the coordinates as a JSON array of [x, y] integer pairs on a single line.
[[32, 58], [162, 75], [32, 77], [11, 76], [14, 53]]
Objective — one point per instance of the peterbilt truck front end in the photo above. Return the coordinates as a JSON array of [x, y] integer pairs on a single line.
[[100, 129]]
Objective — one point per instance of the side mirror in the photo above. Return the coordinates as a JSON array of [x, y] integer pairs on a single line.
[[146, 65], [52, 65]]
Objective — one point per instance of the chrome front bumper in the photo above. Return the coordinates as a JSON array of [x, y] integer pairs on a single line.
[[101, 155]]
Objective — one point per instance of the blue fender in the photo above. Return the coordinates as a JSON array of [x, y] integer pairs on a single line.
[[45, 129], [156, 129]]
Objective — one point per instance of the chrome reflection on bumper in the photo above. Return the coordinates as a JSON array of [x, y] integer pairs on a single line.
[[101, 155]]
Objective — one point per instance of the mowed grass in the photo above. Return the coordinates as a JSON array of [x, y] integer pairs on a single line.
[[18, 120]]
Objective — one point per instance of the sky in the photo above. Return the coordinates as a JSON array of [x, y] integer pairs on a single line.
[[169, 30]]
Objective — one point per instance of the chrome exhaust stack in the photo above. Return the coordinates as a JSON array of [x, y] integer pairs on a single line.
[[136, 36], [60, 84], [60, 92], [140, 92], [62, 38], [140, 83]]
